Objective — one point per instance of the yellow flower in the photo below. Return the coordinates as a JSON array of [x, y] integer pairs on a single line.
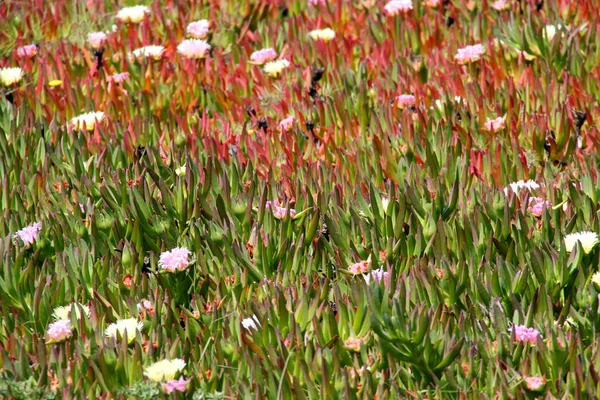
[[9, 76], [119, 328], [55, 82], [164, 370], [322, 34], [133, 14], [274, 68]]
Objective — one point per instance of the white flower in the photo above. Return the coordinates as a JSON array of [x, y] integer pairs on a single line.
[[180, 171], [133, 14], [153, 51], [385, 202], [118, 329], [596, 279], [274, 68], [587, 239], [9, 76], [322, 34], [87, 121], [164, 370], [550, 31], [517, 186], [251, 323], [64, 312]]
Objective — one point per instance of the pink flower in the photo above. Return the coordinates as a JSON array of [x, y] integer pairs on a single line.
[[193, 48], [534, 383], [524, 334], [431, 3], [27, 51], [537, 206], [96, 39], [494, 125], [119, 78], [378, 275], [405, 100], [198, 29], [175, 384], [262, 56], [286, 124], [500, 5], [359, 268], [317, 2], [278, 211], [396, 7], [59, 331], [469, 54], [29, 234], [175, 260]]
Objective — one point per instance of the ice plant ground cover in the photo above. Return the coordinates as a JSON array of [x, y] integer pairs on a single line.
[[336, 219]]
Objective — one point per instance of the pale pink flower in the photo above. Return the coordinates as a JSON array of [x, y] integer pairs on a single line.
[[175, 260], [396, 7], [405, 100], [500, 5], [469, 54], [145, 306], [27, 51], [317, 2], [359, 268], [431, 3], [119, 78], [524, 334], [537, 206], [278, 211], [494, 125], [354, 343], [286, 124], [96, 39], [59, 331], [29, 234], [262, 56], [193, 48], [377, 275], [534, 383], [175, 384], [198, 29]]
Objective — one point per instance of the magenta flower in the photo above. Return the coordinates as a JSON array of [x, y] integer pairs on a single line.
[[59, 331], [405, 100], [193, 48], [96, 39], [198, 29], [469, 54], [175, 260], [27, 51], [396, 7], [537, 205], [29, 234], [286, 124], [524, 334], [175, 384], [262, 56], [119, 78]]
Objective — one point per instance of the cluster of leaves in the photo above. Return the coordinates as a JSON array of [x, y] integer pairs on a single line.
[[190, 154]]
